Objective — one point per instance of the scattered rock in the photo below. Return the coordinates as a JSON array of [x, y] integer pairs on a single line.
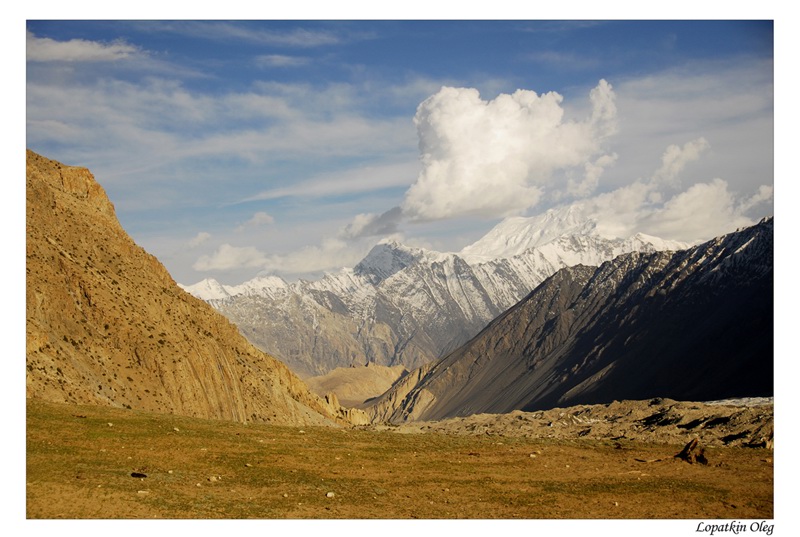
[[138, 474], [176, 429], [330, 495], [692, 452], [733, 424]]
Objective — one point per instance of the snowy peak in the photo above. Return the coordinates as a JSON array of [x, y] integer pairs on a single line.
[[513, 236], [388, 258], [565, 233], [208, 289], [211, 289], [647, 243]]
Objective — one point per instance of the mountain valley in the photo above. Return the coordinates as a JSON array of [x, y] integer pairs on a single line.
[[143, 401]]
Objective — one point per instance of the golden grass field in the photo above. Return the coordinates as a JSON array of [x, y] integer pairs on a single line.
[[80, 461]]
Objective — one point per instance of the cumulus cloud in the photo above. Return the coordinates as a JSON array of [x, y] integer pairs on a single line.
[[702, 211], [371, 225], [259, 219], [675, 159], [764, 194], [497, 158], [331, 253], [43, 49], [229, 257], [199, 239], [591, 177]]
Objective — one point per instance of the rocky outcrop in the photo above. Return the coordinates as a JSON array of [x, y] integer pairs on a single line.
[[689, 325], [107, 325], [741, 423]]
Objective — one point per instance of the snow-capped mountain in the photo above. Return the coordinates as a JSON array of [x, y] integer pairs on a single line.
[[516, 235], [691, 325], [211, 289], [407, 306]]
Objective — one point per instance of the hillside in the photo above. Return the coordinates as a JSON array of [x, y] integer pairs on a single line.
[[107, 325], [690, 325]]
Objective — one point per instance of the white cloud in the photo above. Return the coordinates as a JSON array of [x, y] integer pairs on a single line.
[[764, 194], [331, 253], [728, 104], [138, 127], [280, 60], [351, 181], [295, 37], [229, 257], [372, 225], [591, 178], [497, 158], [675, 158], [44, 49], [199, 239], [704, 210], [259, 219]]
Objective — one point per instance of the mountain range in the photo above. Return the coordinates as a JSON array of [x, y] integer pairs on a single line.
[[405, 306], [107, 325], [596, 319], [691, 325]]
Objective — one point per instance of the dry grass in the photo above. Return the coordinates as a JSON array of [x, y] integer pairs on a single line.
[[80, 460]]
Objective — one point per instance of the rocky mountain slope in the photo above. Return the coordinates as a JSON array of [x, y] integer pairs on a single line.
[[689, 325], [107, 325], [408, 306]]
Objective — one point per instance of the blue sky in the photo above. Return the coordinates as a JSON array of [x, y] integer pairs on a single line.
[[231, 148]]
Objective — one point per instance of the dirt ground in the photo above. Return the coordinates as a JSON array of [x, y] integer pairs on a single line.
[[102, 463]]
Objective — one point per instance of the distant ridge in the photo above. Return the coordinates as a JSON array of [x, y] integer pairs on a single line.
[[691, 325], [408, 306], [107, 325]]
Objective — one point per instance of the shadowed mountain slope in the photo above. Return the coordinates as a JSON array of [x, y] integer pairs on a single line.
[[107, 325], [690, 325]]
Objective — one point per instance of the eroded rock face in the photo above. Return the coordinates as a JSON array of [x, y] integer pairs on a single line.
[[107, 325]]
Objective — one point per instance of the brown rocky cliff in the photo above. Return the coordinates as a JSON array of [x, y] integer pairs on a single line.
[[106, 324]]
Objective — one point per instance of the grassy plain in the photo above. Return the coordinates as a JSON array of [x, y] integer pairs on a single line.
[[80, 461]]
